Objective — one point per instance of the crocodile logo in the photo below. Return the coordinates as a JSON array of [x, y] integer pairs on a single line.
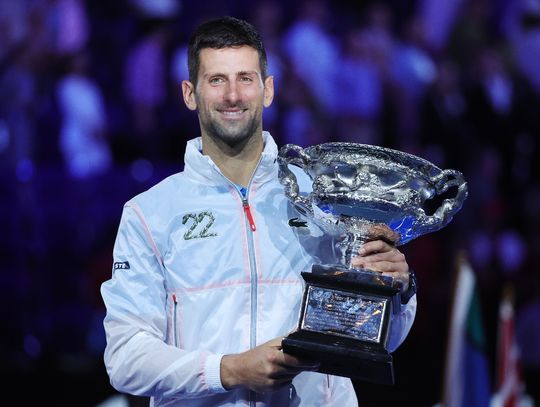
[[297, 223]]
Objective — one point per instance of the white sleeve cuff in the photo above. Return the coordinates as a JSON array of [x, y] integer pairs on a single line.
[[212, 370], [401, 324]]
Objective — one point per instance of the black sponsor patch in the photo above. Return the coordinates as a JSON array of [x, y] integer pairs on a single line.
[[297, 223], [121, 265]]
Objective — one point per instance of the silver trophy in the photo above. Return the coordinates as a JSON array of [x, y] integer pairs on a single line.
[[360, 193]]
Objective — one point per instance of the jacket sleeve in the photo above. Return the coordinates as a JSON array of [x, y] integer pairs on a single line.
[[401, 324], [137, 358]]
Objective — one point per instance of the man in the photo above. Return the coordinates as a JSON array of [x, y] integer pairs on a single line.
[[206, 278]]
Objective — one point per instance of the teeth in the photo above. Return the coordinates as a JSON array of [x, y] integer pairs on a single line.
[[232, 113]]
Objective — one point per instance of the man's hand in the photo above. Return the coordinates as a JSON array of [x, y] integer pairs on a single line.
[[262, 369], [380, 256]]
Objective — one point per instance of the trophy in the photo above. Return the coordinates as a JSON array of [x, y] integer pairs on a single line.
[[358, 193]]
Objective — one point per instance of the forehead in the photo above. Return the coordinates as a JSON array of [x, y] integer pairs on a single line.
[[228, 60]]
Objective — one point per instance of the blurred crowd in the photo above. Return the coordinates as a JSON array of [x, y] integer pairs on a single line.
[[91, 114]]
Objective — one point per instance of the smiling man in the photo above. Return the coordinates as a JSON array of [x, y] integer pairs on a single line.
[[213, 282], [228, 88], [229, 102]]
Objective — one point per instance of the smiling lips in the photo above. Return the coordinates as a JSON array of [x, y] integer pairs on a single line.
[[232, 113]]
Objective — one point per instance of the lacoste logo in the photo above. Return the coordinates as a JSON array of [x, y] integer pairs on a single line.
[[121, 265], [295, 222]]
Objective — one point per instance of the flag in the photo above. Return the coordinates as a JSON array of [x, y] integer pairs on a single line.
[[467, 375], [510, 385]]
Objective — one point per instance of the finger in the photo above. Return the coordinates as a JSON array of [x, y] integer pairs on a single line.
[[387, 267], [375, 246], [393, 255], [290, 372], [292, 362], [377, 266], [359, 263], [275, 343]]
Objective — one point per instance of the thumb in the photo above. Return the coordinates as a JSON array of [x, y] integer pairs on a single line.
[[275, 343]]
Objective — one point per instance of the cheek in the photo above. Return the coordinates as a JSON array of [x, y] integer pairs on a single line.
[[205, 105], [252, 92], [208, 96], [258, 94]]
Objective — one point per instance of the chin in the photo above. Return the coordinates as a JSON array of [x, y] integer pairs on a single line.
[[233, 137]]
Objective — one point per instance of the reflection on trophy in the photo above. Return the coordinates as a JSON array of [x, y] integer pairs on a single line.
[[360, 193]]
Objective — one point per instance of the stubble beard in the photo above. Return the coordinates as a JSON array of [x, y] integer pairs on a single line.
[[232, 134]]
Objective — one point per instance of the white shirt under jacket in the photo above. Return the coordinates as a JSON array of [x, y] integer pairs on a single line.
[[192, 282]]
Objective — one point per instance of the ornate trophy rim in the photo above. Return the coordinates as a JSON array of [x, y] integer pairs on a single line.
[[384, 181], [398, 156]]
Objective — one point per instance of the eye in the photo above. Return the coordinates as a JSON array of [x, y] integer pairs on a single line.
[[216, 80], [246, 79]]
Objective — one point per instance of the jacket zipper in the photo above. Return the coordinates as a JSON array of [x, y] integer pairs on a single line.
[[247, 211], [250, 229]]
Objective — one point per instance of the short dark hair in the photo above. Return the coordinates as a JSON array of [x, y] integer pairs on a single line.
[[223, 32]]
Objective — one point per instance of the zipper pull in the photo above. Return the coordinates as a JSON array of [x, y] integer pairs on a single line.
[[174, 298], [248, 214]]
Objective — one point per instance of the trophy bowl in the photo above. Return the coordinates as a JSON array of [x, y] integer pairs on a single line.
[[358, 193]]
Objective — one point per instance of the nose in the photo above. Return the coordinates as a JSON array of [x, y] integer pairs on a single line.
[[231, 92]]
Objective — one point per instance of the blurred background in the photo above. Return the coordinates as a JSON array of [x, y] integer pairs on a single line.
[[91, 114]]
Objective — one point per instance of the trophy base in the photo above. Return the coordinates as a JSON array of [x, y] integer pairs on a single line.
[[341, 357], [344, 323]]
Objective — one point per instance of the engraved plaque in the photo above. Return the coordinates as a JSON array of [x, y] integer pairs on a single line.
[[344, 314]]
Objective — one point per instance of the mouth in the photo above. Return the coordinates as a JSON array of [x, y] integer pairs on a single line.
[[232, 113]]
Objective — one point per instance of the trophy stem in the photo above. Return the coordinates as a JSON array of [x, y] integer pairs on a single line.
[[349, 247]]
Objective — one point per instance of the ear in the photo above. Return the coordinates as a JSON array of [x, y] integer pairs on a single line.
[[268, 91], [188, 91]]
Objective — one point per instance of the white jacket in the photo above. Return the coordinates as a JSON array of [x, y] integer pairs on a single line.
[[192, 282]]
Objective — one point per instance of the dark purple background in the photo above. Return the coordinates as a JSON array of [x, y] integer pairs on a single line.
[[467, 99]]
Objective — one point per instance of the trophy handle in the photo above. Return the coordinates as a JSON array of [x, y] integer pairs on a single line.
[[450, 206], [288, 178]]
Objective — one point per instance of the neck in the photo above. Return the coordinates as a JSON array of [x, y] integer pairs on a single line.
[[237, 162]]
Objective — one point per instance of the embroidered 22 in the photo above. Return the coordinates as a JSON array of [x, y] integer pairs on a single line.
[[198, 218]]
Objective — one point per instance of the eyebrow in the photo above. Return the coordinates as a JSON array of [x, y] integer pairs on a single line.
[[248, 73], [239, 73]]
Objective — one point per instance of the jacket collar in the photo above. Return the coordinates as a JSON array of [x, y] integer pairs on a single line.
[[201, 168]]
